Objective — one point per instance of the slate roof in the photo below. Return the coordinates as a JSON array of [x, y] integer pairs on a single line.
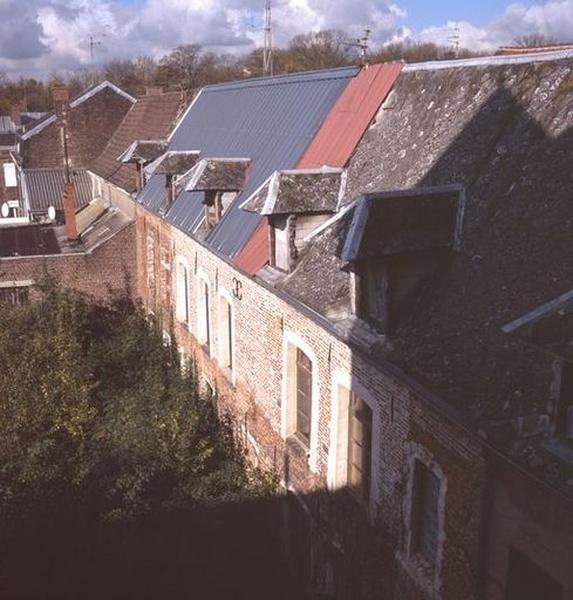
[[298, 191], [501, 128], [48, 118], [218, 174], [45, 187], [173, 163], [269, 120], [151, 117]]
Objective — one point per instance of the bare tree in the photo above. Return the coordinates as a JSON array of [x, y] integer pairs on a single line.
[[318, 50], [534, 40]]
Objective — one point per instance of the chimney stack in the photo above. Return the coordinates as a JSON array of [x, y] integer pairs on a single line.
[[61, 98], [154, 90], [70, 211], [16, 115]]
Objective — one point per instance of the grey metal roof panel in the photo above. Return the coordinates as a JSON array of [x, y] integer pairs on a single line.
[[270, 120], [45, 188]]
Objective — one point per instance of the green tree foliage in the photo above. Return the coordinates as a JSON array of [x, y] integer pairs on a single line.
[[96, 413]]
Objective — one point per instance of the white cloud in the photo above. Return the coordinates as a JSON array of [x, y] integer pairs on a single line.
[[551, 18], [37, 36]]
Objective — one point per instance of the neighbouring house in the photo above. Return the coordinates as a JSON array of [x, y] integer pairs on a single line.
[[39, 148], [118, 172]]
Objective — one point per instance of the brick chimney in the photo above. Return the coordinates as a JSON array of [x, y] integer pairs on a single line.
[[16, 115], [61, 98], [70, 211], [154, 90]]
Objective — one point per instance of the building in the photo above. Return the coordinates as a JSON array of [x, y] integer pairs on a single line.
[[370, 269]]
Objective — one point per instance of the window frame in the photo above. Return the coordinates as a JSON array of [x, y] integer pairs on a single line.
[[10, 175], [337, 474], [16, 287], [225, 296], [185, 319], [291, 342], [427, 574], [204, 321]]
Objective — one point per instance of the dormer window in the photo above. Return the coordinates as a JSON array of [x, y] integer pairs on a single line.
[[396, 243], [141, 153], [296, 202], [221, 180]]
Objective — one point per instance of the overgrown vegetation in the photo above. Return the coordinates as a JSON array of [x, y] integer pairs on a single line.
[[103, 439], [94, 409]]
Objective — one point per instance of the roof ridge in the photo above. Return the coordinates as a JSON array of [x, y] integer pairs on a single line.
[[276, 79], [483, 61]]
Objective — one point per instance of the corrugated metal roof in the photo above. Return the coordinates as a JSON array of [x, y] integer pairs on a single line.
[[350, 117], [270, 120], [339, 135], [45, 188]]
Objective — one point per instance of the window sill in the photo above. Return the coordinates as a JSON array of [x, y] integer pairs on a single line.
[[426, 575], [299, 444]]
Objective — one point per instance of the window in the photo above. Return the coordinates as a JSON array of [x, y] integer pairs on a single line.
[[359, 446], [226, 334], [10, 175], [17, 295], [564, 414], [528, 581], [424, 513], [182, 292], [303, 395], [280, 250], [204, 327]]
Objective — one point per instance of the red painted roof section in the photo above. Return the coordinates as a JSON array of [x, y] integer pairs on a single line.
[[255, 253], [348, 120], [334, 143]]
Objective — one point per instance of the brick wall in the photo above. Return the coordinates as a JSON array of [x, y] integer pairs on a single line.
[[108, 268], [262, 320], [91, 125]]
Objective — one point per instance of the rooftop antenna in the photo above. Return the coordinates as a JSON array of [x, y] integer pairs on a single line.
[[94, 42], [362, 44], [268, 41], [455, 39]]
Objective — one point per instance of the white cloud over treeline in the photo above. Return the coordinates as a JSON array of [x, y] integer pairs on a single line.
[[37, 36]]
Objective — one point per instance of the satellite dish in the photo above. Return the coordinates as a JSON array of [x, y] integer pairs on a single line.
[[52, 213], [5, 210]]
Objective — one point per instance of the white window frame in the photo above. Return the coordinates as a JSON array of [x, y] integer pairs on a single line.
[[225, 295], [10, 176], [428, 576], [288, 423], [337, 474], [182, 297], [204, 322]]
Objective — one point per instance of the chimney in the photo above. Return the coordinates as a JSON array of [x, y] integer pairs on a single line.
[[153, 90], [70, 211], [16, 115], [61, 98]]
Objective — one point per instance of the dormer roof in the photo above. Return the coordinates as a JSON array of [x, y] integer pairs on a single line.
[[217, 174], [298, 191]]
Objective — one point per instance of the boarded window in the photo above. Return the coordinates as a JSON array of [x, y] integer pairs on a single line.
[[14, 295], [182, 293], [303, 395], [564, 416], [281, 244], [425, 520], [205, 311], [226, 334], [359, 446], [10, 175], [528, 581]]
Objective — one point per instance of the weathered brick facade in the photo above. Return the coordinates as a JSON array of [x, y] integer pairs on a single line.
[[254, 394], [109, 267]]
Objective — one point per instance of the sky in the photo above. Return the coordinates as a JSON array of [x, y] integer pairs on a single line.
[[40, 36]]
